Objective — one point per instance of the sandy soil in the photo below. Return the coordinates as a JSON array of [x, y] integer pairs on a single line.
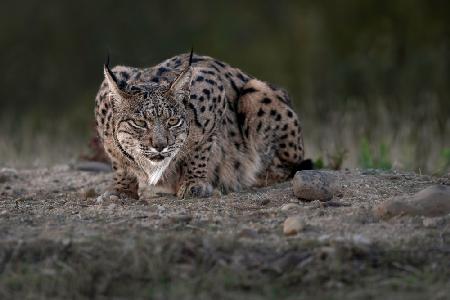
[[58, 240]]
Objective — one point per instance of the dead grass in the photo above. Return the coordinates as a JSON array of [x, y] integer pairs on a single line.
[[191, 266]]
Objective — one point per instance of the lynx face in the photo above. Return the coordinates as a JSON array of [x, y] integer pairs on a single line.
[[150, 122]]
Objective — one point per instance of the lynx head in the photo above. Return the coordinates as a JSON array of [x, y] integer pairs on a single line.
[[150, 124]]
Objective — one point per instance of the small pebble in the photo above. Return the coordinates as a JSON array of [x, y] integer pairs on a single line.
[[361, 240], [248, 233], [293, 225], [89, 193], [264, 202], [112, 206], [433, 222], [60, 168], [113, 198], [182, 218], [289, 206]]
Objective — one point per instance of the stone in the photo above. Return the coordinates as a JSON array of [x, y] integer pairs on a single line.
[[89, 193], [114, 198], [112, 206], [430, 202], [289, 206], [180, 218], [361, 240], [61, 168], [248, 233], [293, 225], [264, 202], [432, 222], [100, 199], [8, 174], [314, 185]]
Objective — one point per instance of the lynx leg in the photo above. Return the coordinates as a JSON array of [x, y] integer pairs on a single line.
[[195, 182], [124, 183]]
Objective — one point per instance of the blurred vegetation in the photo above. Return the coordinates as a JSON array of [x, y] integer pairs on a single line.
[[377, 70], [445, 165], [371, 160]]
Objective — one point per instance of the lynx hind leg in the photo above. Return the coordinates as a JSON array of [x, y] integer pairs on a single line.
[[271, 126]]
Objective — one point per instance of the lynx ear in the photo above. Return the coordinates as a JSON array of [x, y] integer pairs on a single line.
[[111, 79], [182, 83]]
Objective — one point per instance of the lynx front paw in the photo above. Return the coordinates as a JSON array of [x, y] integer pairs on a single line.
[[114, 194], [196, 189]]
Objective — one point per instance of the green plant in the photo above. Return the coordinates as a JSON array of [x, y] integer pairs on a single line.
[[370, 160], [318, 163], [383, 160], [445, 160], [336, 159], [365, 157]]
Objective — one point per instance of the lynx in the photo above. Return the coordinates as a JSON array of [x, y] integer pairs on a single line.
[[193, 123]]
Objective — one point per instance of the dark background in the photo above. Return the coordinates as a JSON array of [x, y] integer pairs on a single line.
[[370, 79]]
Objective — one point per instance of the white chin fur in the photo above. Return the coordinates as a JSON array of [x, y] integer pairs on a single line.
[[155, 172], [154, 169]]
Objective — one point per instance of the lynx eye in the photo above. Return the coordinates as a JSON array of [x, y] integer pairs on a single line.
[[173, 121], [139, 123]]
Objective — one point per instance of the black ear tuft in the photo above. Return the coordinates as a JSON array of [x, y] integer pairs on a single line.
[[190, 56], [108, 69], [107, 60]]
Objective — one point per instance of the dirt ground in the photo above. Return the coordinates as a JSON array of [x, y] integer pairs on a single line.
[[57, 240]]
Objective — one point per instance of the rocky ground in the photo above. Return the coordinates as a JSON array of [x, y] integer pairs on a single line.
[[59, 239]]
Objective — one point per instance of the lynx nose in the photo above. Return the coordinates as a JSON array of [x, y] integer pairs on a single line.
[[159, 144], [159, 139]]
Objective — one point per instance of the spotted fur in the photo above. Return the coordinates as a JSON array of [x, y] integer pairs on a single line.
[[190, 128]]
